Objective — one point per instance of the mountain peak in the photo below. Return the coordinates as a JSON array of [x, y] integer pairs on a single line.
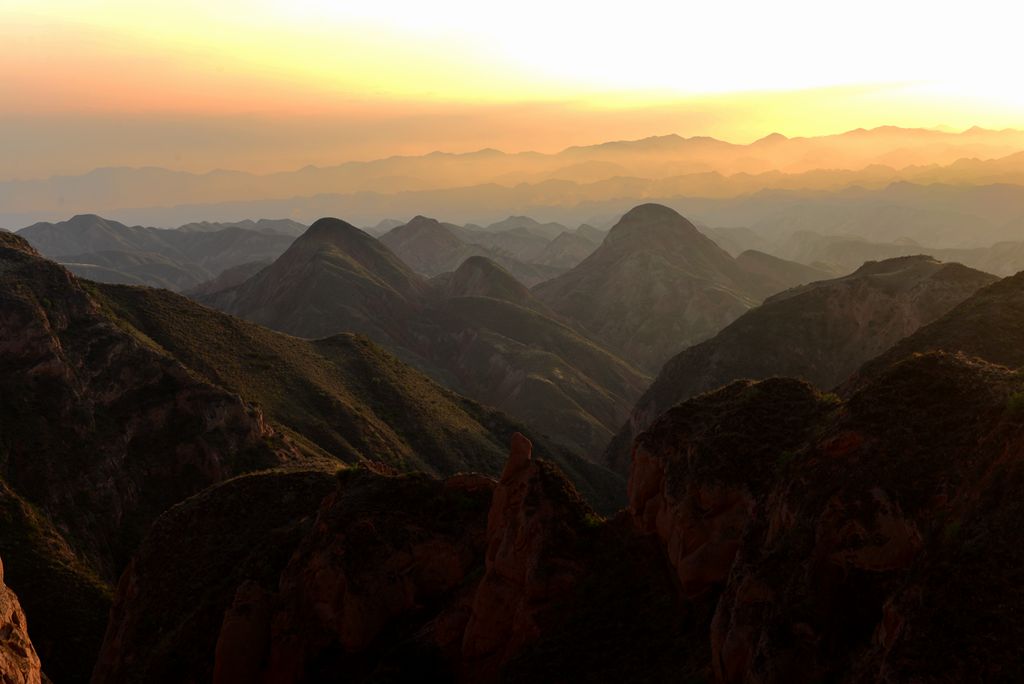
[[479, 276], [771, 138], [895, 265], [421, 220], [652, 222], [335, 231]]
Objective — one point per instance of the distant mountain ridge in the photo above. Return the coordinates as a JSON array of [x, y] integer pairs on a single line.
[[476, 329], [432, 248], [652, 168], [109, 251]]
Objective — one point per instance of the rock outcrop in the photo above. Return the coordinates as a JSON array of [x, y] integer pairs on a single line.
[[827, 530], [19, 663], [385, 573], [534, 526], [104, 432], [189, 600], [101, 433]]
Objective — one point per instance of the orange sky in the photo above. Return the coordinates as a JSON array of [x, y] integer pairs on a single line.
[[274, 84]]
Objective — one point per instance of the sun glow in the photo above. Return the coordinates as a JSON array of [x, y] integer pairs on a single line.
[[736, 70]]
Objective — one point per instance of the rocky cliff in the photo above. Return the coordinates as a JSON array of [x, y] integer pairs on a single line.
[[773, 534], [99, 434], [841, 538], [19, 663]]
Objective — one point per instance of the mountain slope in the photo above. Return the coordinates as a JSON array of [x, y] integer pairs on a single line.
[[536, 369], [475, 323], [820, 332], [988, 325], [567, 250], [481, 277], [99, 434], [779, 274], [134, 268], [654, 286], [272, 226], [773, 533], [334, 278], [429, 247]]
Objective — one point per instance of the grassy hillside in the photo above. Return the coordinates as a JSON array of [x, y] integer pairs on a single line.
[[344, 396]]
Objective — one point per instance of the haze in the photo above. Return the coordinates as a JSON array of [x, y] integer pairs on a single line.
[[277, 85]]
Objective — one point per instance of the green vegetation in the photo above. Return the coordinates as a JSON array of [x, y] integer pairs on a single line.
[[342, 397], [1015, 403], [66, 602]]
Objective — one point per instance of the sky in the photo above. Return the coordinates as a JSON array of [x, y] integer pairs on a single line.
[[267, 85]]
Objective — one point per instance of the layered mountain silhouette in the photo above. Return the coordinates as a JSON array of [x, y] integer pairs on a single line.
[[821, 333], [430, 248], [108, 251], [634, 171], [189, 496], [841, 252], [657, 285], [570, 248], [269, 226], [476, 330], [118, 402]]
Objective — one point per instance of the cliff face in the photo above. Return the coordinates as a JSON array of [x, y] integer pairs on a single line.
[[168, 630], [773, 534], [405, 575], [100, 434], [376, 585], [105, 433], [829, 532], [19, 663], [534, 529]]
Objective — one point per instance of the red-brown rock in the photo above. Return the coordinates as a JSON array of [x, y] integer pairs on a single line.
[[19, 663]]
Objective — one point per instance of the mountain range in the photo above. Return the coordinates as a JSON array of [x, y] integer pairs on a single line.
[[118, 402], [820, 333], [650, 168], [432, 248], [542, 356], [656, 285], [108, 251], [476, 330], [189, 496]]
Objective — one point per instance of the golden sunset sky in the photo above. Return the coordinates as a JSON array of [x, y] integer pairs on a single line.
[[268, 85]]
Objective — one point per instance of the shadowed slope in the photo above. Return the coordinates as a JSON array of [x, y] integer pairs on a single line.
[[820, 332], [654, 286]]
